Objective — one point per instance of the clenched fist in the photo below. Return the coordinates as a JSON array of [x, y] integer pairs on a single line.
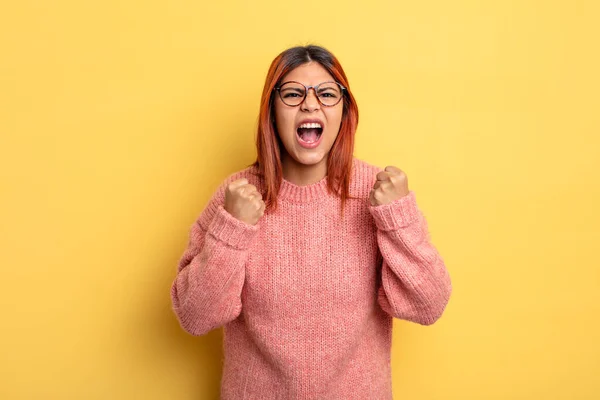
[[391, 185], [243, 201]]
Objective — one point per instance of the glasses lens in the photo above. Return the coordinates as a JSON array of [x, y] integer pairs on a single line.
[[330, 93], [292, 93]]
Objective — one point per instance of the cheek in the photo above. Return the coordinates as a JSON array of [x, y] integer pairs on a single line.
[[284, 119], [336, 118]]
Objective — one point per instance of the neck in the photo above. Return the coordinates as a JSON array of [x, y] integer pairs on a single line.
[[301, 174]]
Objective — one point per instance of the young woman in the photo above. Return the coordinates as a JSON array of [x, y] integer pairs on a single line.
[[306, 255]]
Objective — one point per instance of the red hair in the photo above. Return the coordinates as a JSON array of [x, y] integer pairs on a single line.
[[268, 143]]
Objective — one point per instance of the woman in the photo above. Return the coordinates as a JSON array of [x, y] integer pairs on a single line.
[[306, 255]]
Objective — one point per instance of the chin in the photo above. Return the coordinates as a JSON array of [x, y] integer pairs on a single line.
[[311, 159]]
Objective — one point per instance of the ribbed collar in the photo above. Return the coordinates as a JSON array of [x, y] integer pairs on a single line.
[[291, 192]]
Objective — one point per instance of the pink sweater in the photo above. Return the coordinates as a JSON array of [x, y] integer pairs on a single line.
[[306, 299]]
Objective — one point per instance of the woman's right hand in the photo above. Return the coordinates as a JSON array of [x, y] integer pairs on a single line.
[[244, 202]]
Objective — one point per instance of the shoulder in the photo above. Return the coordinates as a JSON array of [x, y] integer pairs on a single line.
[[363, 177]]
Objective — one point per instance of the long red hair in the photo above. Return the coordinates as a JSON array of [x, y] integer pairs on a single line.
[[268, 143]]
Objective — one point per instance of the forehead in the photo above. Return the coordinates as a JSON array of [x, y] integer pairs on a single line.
[[309, 74]]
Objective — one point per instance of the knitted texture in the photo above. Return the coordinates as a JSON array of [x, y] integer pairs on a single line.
[[305, 297]]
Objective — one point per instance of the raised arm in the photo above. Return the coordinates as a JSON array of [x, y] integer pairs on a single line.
[[415, 283], [206, 292]]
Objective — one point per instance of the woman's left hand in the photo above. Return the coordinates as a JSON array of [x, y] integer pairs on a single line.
[[391, 185]]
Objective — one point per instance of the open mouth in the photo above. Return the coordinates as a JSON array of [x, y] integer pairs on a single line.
[[310, 132]]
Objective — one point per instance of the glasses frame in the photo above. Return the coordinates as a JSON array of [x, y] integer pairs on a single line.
[[314, 88]]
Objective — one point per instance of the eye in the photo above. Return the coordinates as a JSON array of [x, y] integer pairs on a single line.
[[328, 93], [288, 93]]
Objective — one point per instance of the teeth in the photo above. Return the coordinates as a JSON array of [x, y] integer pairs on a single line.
[[311, 125]]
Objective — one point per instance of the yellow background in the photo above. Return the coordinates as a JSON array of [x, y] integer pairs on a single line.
[[119, 118]]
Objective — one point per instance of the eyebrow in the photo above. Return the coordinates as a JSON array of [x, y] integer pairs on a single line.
[[322, 89], [299, 90], [320, 83]]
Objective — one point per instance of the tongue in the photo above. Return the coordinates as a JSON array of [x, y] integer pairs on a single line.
[[309, 135]]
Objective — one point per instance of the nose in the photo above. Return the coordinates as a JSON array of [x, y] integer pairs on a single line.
[[310, 103]]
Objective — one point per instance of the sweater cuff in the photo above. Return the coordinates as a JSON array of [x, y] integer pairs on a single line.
[[397, 214], [230, 230]]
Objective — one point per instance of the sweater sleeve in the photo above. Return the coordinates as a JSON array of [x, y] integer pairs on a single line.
[[206, 292], [415, 284]]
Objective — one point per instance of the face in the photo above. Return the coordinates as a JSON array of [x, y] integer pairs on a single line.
[[291, 121]]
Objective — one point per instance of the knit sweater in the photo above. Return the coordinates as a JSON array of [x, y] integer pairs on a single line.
[[305, 297]]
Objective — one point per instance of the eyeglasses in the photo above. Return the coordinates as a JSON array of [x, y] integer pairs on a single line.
[[328, 93]]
